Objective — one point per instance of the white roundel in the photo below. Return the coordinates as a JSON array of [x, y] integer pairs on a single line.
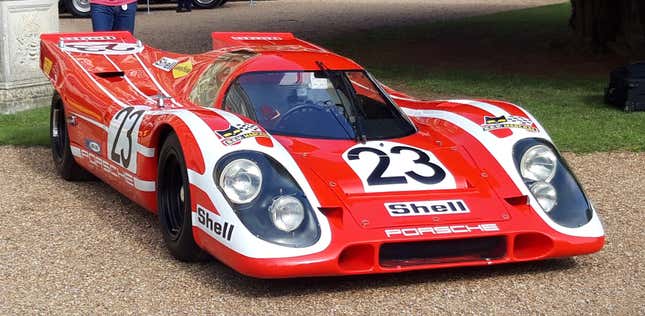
[[387, 166], [103, 48]]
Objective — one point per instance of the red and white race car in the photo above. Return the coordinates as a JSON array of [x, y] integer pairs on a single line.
[[282, 159]]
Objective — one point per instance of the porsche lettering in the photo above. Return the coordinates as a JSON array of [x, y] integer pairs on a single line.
[[440, 230]]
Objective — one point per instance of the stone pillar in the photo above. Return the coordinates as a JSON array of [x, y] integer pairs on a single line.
[[22, 83]]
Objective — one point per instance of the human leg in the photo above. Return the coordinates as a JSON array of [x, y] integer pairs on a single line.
[[125, 18], [102, 17]]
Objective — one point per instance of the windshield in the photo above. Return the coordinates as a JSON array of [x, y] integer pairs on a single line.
[[318, 104]]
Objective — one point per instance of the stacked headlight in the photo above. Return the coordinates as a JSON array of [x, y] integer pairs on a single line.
[[287, 213], [549, 180], [241, 181], [267, 199], [538, 165]]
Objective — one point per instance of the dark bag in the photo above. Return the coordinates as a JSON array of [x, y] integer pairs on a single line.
[[627, 87]]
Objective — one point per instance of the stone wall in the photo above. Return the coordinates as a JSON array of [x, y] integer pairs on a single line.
[[22, 84]]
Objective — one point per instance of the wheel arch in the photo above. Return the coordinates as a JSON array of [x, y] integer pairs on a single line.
[[159, 134]]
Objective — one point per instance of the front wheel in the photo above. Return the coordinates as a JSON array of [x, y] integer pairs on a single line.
[[207, 4], [173, 200], [78, 8]]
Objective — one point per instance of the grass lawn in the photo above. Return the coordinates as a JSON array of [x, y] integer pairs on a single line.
[[25, 128], [520, 56]]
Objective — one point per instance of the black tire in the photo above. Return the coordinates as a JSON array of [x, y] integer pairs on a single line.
[[64, 162], [78, 8], [206, 4], [173, 200]]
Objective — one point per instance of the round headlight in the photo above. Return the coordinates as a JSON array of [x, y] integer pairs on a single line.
[[241, 180], [538, 163], [545, 194], [287, 213]]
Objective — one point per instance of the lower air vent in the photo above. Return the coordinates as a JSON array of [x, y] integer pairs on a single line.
[[442, 251]]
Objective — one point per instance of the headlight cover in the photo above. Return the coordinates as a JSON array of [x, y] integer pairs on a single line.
[[551, 182], [272, 214], [287, 213], [545, 194], [538, 163], [241, 180]]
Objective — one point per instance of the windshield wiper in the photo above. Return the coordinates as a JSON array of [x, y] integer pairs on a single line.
[[341, 81]]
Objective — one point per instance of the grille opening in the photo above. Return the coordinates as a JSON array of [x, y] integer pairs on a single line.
[[357, 258], [531, 246], [442, 251]]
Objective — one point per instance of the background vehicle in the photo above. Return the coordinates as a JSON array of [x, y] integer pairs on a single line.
[[81, 8]]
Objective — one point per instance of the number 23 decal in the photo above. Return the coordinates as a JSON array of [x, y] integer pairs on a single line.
[[122, 137], [391, 166]]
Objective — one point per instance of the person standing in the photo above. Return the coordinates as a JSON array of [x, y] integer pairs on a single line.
[[113, 15], [184, 5]]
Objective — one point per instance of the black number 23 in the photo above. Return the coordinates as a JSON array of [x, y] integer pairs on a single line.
[[377, 178], [132, 118]]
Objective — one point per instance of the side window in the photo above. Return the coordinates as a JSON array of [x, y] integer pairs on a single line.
[[238, 102], [371, 101], [209, 84], [363, 86]]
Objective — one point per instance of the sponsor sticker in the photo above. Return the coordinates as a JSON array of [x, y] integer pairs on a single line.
[[421, 208], [237, 133], [47, 66], [166, 64], [511, 121], [318, 83], [182, 69], [441, 230], [213, 224], [93, 146]]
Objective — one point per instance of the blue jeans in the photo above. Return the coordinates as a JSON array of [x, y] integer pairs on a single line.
[[113, 18]]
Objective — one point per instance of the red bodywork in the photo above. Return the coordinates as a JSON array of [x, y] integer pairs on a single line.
[[95, 88]]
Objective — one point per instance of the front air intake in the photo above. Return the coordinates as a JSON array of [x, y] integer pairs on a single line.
[[393, 255]]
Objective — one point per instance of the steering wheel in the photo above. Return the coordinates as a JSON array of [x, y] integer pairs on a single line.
[[299, 108]]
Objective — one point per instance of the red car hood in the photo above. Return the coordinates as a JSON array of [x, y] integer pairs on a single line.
[[463, 196]]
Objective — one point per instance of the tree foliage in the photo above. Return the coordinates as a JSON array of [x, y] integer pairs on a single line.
[[614, 24]]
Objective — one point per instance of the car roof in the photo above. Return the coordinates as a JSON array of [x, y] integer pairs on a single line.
[[292, 58]]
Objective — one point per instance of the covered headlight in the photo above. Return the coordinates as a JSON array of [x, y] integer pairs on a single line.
[[287, 213], [267, 199], [551, 183], [545, 194], [241, 180], [538, 163]]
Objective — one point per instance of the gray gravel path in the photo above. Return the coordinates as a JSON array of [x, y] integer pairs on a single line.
[[310, 19], [82, 248]]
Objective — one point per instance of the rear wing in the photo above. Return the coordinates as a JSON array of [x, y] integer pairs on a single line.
[[59, 49], [257, 39], [106, 43]]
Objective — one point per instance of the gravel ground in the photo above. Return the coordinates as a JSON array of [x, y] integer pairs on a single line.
[[309, 19], [82, 248]]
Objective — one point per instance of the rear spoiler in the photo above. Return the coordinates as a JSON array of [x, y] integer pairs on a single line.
[[55, 48], [89, 37], [250, 39]]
